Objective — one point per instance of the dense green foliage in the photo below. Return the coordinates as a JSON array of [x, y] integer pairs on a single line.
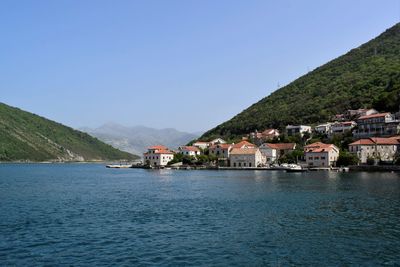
[[368, 76], [26, 136], [347, 159]]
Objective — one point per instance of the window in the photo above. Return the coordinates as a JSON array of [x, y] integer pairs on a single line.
[[322, 157], [249, 164]]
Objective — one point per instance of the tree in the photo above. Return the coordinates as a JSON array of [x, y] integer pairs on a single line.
[[347, 159]]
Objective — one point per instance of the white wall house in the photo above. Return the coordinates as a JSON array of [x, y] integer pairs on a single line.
[[246, 158], [158, 156], [375, 125], [217, 141], [220, 150], [189, 151], [273, 152], [321, 155], [292, 130], [354, 113], [323, 128], [384, 149], [261, 137], [342, 127], [201, 144]]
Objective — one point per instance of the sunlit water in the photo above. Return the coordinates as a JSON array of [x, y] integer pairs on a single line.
[[80, 214]]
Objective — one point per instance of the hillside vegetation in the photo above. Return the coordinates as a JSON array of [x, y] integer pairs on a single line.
[[26, 136], [367, 76]]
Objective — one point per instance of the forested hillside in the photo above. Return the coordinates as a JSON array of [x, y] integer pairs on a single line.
[[26, 136], [367, 76]]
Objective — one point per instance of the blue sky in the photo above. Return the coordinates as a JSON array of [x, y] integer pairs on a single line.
[[184, 64]]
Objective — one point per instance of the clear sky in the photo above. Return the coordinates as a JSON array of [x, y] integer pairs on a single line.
[[188, 64]]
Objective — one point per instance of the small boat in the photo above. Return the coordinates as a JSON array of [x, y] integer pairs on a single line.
[[295, 168], [118, 166]]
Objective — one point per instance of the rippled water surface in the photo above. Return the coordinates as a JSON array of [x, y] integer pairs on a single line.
[[82, 214]]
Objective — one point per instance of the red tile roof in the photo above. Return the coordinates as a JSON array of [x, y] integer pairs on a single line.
[[242, 144], [158, 147], [163, 151], [378, 115], [317, 144], [281, 146], [319, 147], [376, 141]]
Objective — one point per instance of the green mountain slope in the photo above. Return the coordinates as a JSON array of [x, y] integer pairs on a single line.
[[26, 136], [368, 76]]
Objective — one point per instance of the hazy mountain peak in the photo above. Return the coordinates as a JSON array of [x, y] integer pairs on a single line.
[[137, 138]]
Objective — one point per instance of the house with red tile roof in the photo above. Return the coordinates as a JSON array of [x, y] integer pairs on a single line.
[[244, 144], [342, 127], [220, 150], [321, 155], [273, 152], [261, 137], [376, 125], [377, 148], [158, 156]]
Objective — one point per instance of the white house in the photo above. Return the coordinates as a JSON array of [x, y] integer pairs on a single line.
[[189, 150], [292, 130], [375, 125], [323, 128], [158, 156], [201, 144], [321, 155], [220, 150], [384, 149], [273, 152], [217, 141], [354, 113], [246, 157], [342, 127], [261, 137]]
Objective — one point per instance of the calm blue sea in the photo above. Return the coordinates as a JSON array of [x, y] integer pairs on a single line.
[[87, 215]]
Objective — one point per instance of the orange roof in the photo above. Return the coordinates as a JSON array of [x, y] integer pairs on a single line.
[[378, 115], [242, 144], [244, 151], [376, 141], [317, 144], [281, 146], [163, 151], [158, 147], [319, 147]]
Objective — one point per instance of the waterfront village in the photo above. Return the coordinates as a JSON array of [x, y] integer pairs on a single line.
[[362, 137]]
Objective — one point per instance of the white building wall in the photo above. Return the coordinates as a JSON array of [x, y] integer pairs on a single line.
[[383, 152]]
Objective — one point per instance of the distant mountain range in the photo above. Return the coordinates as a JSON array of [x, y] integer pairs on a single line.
[[28, 137], [367, 76], [136, 139]]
